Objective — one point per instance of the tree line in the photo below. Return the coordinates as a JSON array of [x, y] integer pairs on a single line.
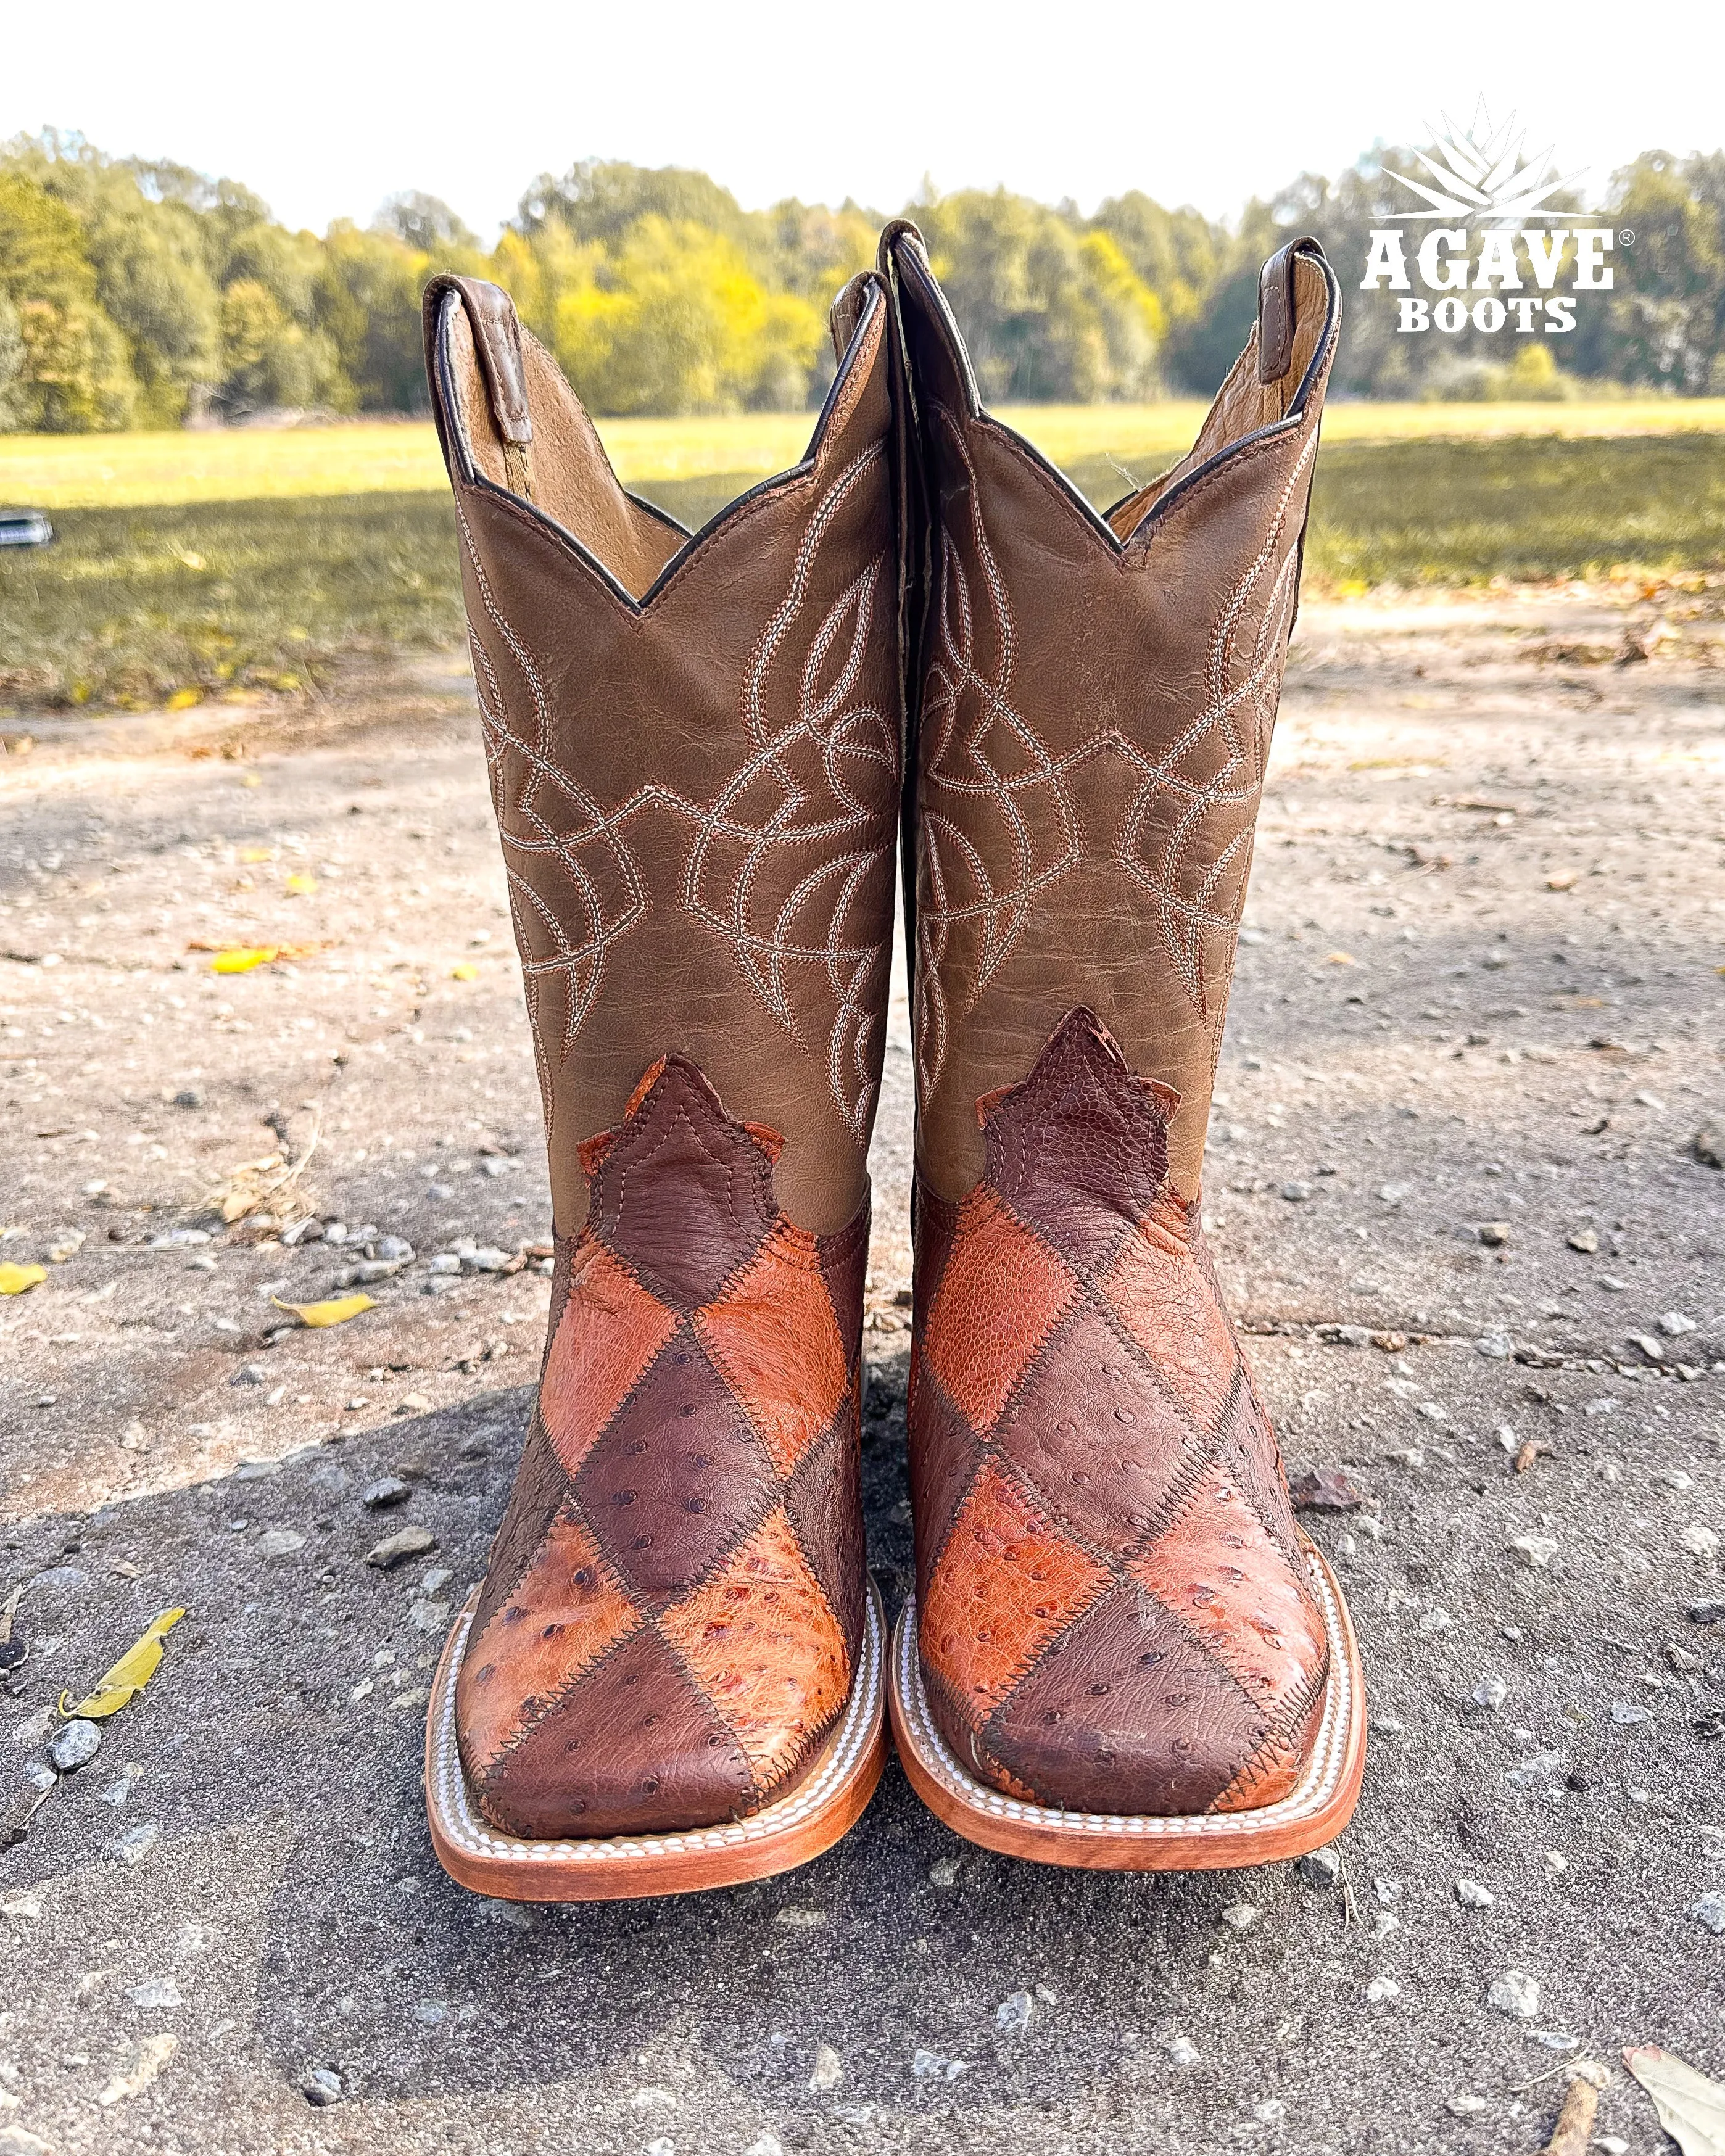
[[137, 293]]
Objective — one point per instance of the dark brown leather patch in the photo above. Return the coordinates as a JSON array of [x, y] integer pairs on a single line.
[[1276, 313], [539, 1488], [844, 1264], [823, 1501], [677, 1477], [1080, 1149], [1094, 1435], [945, 1456], [633, 1750], [681, 1191], [1246, 1450], [1125, 1713]]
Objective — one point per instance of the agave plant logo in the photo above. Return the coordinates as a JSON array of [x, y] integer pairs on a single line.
[[1485, 174], [1519, 245]]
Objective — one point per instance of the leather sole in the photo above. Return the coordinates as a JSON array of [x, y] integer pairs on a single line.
[[825, 1804], [1314, 1812]]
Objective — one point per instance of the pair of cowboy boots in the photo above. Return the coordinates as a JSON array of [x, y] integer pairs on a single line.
[[703, 750]]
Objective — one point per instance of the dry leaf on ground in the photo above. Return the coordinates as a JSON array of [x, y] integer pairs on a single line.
[[129, 1675], [336, 1311], [17, 1279], [1691, 2107]]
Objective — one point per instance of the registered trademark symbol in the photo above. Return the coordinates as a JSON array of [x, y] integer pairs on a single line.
[[1625, 238]]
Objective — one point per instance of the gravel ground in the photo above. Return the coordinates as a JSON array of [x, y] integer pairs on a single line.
[[1456, 1198]]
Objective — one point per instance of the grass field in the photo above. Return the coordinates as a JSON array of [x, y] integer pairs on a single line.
[[189, 566], [120, 471]]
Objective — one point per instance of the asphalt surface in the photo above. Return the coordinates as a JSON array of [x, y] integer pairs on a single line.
[[1428, 1040]]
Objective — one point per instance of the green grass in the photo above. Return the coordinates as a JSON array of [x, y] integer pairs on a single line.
[[137, 605]]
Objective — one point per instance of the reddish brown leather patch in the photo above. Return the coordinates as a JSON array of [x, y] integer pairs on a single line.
[[1006, 1584], [773, 1334], [1001, 1294], [1173, 1313], [567, 1611], [761, 1641], [610, 1332]]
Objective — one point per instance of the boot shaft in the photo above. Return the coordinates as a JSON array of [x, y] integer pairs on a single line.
[[1097, 698], [694, 749]]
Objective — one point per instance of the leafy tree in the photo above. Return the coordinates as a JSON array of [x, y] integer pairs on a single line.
[[73, 374]]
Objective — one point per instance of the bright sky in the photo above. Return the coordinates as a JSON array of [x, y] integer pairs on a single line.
[[326, 109]]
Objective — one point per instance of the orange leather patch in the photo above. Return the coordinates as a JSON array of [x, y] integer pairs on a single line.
[[611, 1330], [1001, 1293], [774, 1338], [1171, 1311], [566, 1609], [761, 1641], [1007, 1582], [1226, 1581], [1267, 1777]]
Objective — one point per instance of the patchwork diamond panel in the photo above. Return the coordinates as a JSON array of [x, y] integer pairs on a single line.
[[1112, 1612], [674, 1610]]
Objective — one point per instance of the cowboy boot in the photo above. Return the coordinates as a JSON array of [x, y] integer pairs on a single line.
[[671, 1675], [1122, 1651]]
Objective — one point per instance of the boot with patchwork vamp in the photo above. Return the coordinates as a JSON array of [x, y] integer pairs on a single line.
[[1122, 1651], [672, 1675]]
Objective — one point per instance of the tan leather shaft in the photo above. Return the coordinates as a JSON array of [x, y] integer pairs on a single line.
[[1097, 698], [694, 748]]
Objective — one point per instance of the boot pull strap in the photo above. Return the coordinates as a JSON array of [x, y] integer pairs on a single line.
[[1276, 309], [497, 339]]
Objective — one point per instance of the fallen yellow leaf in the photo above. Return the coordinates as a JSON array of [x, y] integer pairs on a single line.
[[250, 778], [336, 1311], [19, 1279], [182, 699], [1341, 959], [129, 1675], [465, 971], [245, 960], [258, 853], [300, 886]]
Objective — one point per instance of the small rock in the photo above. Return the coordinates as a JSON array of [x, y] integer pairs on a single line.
[[1466, 2106], [1382, 1988], [136, 1842], [944, 1872], [1708, 1146], [1584, 1239], [1673, 1324], [280, 1541], [445, 1261], [933, 2067], [1182, 2051], [74, 1746], [1556, 1864], [1013, 2014], [1708, 1611], [1537, 1550], [1495, 1347], [411, 1403], [1490, 1693], [1710, 1909], [1472, 1895], [1388, 1892], [249, 1373], [1653, 1349], [1241, 1916], [434, 1617], [1699, 1541], [155, 1991], [1515, 1994], [1319, 1868], [829, 2069], [1556, 2040], [1627, 1715], [321, 2085], [1436, 1620], [1494, 1234], [393, 1249], [386, 1490], [436, 1579], [19, 2141], [398, 1548], [1270, 2111], [488, 1260], [1323, 1490], [1297, 1194]]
